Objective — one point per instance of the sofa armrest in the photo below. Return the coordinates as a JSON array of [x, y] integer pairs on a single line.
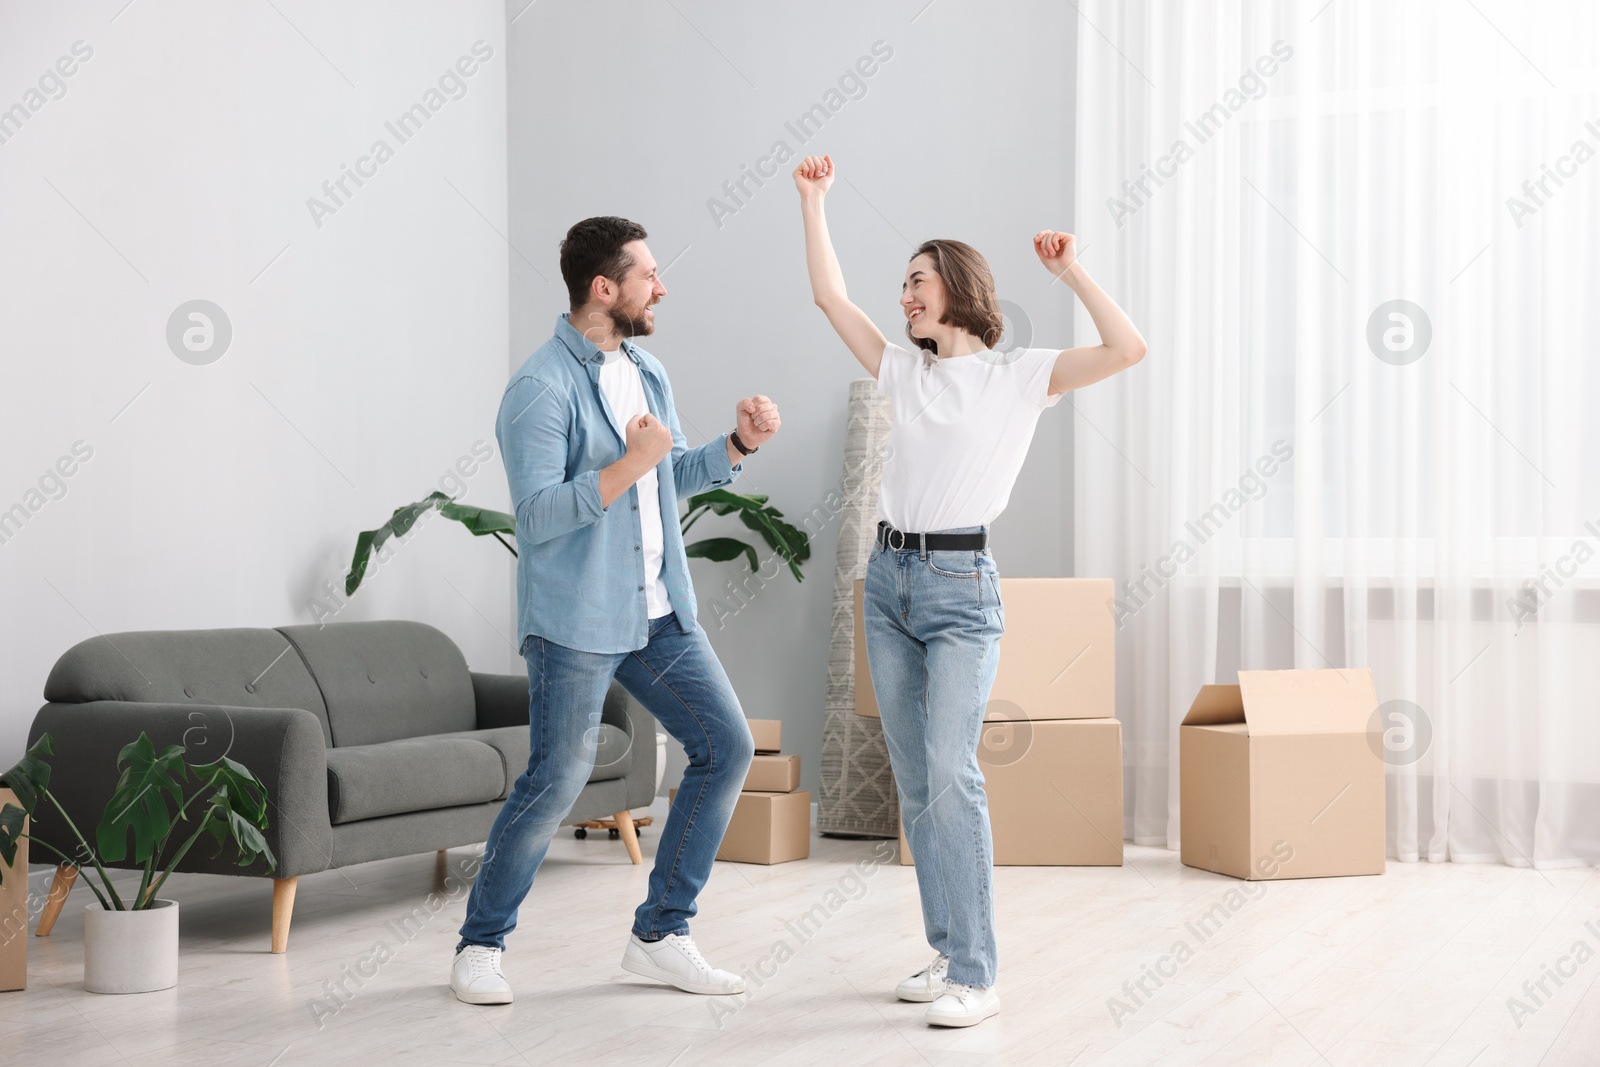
[[283, 747], [502, 699], [629, 716]]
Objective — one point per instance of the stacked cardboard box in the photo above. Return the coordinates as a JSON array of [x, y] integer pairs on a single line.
[[1051, 745], [14, 911], [1281, 776], [772, 820]]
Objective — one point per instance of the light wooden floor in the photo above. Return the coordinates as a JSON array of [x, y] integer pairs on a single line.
[[1414, 967]]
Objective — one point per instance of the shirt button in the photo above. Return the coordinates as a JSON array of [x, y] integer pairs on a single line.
[[636, 548], [641, 589], [636, 507]]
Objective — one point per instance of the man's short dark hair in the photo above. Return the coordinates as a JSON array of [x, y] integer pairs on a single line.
[[594, 248]]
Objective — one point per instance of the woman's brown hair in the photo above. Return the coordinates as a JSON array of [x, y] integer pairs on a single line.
[[969, 285]]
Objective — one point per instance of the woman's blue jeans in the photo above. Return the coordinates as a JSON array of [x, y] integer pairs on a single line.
[[678, 679], [933, 624]]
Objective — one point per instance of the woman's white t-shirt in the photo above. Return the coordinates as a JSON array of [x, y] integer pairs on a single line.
[[961, 429]]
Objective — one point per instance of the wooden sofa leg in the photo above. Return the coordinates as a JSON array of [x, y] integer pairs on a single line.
[[629, 835], [282, 911], [66, 874]]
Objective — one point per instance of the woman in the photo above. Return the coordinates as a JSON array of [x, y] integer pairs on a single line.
[[963, 418]]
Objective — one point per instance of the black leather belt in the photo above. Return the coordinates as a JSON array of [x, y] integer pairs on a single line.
[[896, 540]]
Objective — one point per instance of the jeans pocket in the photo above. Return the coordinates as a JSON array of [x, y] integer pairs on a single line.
[[954, 564]]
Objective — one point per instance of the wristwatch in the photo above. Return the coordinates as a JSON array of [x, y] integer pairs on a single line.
[[743, 451]]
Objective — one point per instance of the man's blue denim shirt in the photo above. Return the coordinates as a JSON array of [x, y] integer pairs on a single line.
[[580, 567]]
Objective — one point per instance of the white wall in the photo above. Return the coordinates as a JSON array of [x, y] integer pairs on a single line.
[[365, 360], [646, 110]]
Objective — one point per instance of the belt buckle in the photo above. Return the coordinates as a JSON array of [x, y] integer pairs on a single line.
[[888, 539]]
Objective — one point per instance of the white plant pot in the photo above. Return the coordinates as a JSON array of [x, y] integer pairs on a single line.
[[130, 951]]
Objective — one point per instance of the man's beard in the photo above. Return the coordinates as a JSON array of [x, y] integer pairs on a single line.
[[631, 322]]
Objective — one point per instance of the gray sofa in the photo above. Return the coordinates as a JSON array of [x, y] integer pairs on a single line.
[[373, 740]]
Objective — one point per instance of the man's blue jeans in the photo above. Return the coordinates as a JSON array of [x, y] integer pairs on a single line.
[[678, 679], [933, 624]]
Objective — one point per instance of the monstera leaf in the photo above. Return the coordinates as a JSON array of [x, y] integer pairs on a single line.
[[148, 805], [29, 779], [139, 803], [238, 810]]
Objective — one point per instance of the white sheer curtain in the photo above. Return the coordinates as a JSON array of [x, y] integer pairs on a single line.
[[1256, 183]]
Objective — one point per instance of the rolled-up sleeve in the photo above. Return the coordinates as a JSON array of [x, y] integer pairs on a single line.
[[532, 430], [695, 470]]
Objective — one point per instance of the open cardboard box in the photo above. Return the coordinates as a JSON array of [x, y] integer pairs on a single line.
[[1278, 777], [1057, 657], [1054, 790]]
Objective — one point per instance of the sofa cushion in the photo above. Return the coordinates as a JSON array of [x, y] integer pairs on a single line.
[[249, 668], [411, 774], [611, 758], [385, 680]]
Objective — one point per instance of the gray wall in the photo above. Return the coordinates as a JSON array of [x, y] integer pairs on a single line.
[[367, 350], [646, 110]]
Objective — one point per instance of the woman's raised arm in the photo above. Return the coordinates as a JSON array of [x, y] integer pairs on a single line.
[[866, 342], [1120, 345]]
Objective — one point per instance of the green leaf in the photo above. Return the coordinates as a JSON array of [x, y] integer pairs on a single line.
[[30, 777], [725, 502], [238, 810], [790, 544], [399, 524], [722, 549], [480, 521], [11, 820], [139, 803]]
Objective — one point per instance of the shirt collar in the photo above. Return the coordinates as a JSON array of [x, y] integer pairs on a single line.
[[583, 349]]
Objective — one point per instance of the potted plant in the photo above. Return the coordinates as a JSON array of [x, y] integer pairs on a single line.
[[788, 542], [131, 945]]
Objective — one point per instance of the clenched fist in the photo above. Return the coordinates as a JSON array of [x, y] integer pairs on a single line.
[[757, 418], [813, 175], [1056, 250], [649, 440]]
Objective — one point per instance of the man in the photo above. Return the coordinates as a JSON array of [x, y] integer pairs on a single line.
[[597, 464]]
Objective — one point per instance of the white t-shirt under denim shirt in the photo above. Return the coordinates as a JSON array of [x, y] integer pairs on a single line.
[[961, 430], [624, 391]]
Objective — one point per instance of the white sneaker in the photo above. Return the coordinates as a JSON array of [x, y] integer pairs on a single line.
[[475, 976], [963, 1005], [927, 983], [676, 961]]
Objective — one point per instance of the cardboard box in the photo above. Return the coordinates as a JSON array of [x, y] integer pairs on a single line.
[[1279, 779], [1055, 792], [14, 912], [1057, 658], [773, 774], [768, 734], [767, 828]]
